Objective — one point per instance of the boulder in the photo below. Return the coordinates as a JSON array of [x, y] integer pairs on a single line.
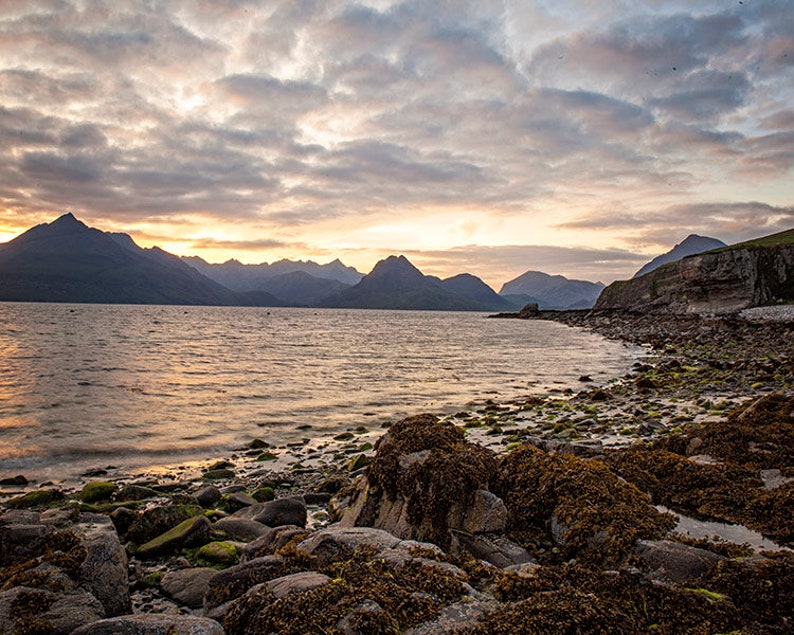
[[235, 581], [152, 625], [104, 570], [284, 511], [23, 608], [190, 533], [272, 541], [674, 561], [155, 521], [241, 529], [296, 583], [424, 481], [187, 586], [498, 550], [330, 542], [208, 495]]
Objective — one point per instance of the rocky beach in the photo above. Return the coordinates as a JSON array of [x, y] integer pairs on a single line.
[[576, 511]]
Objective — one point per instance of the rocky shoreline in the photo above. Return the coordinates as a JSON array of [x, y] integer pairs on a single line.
[[546, 514]]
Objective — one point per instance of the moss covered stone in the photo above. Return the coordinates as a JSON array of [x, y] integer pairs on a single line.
[[96, 491], [216, 554], [189, 533], [36, 498]]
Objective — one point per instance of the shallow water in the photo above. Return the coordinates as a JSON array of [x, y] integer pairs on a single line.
[[141, 385], [738, 534]]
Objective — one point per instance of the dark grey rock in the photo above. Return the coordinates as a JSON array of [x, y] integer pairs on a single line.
[[104, 571], [207, 496], [233, 582], [187, 586], [675, 562], [241, 529], [284, 511]]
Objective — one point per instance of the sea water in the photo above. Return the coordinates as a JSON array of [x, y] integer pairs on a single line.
[[146, 385]]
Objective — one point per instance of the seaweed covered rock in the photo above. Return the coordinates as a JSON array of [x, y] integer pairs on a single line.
[[62, 578], [580, 504], [758, 435], [424, 480], [152, 625], [361, 593], [753, 441], [155, 521]]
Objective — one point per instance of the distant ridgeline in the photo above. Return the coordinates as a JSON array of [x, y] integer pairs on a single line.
[[755, 273], [67, 261]]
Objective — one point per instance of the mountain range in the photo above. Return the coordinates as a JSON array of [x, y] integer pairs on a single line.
[[551, 292], [67, 261]]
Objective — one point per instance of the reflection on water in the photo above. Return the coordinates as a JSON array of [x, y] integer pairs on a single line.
[[738, 534], [134, 383]]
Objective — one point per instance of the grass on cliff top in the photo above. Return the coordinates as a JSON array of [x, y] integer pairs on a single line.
[[773, 240]]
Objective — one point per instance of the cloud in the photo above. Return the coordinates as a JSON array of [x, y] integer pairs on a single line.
[[605, 124], [730, 222]]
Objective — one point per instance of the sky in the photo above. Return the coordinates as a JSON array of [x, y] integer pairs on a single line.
[[495, 136]]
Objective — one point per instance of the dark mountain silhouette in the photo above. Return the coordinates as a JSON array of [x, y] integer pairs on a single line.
[[475, 290], [690, 246], [298, 288], [395, 283], [240, 277], [551, 292], [67, 261]]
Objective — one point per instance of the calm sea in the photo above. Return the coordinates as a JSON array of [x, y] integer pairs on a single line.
[[143, 385]]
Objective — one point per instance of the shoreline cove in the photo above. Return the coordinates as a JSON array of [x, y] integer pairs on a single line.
[[549, 511]]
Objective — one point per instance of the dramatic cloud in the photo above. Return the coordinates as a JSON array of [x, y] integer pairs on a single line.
[[496, 137]]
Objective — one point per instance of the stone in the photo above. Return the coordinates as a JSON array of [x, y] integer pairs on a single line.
[[486, 514], [241, 529], [192, 532], [56, 614], [349, 624], [222, 554], [208, 495], [218, 475], [272, 541], [104, 570], [155, 521], [187, 586], [95, 491], [237, 501], [327, 543], [18, 540], [233, 582], [18, 480], [458, 616], [152, 625], [675, 562], [136, 493], [498, 550], [284, 511], [297, 583]]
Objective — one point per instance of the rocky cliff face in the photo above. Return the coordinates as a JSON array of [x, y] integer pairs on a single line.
[[746, 275]]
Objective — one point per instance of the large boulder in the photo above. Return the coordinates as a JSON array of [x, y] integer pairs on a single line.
[[424, 481], [104, 570], [188, 586], [28, 610], [675, 562], [284, 511], [190, 533]]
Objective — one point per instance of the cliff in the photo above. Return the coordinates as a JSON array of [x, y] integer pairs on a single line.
[[755, 273]]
